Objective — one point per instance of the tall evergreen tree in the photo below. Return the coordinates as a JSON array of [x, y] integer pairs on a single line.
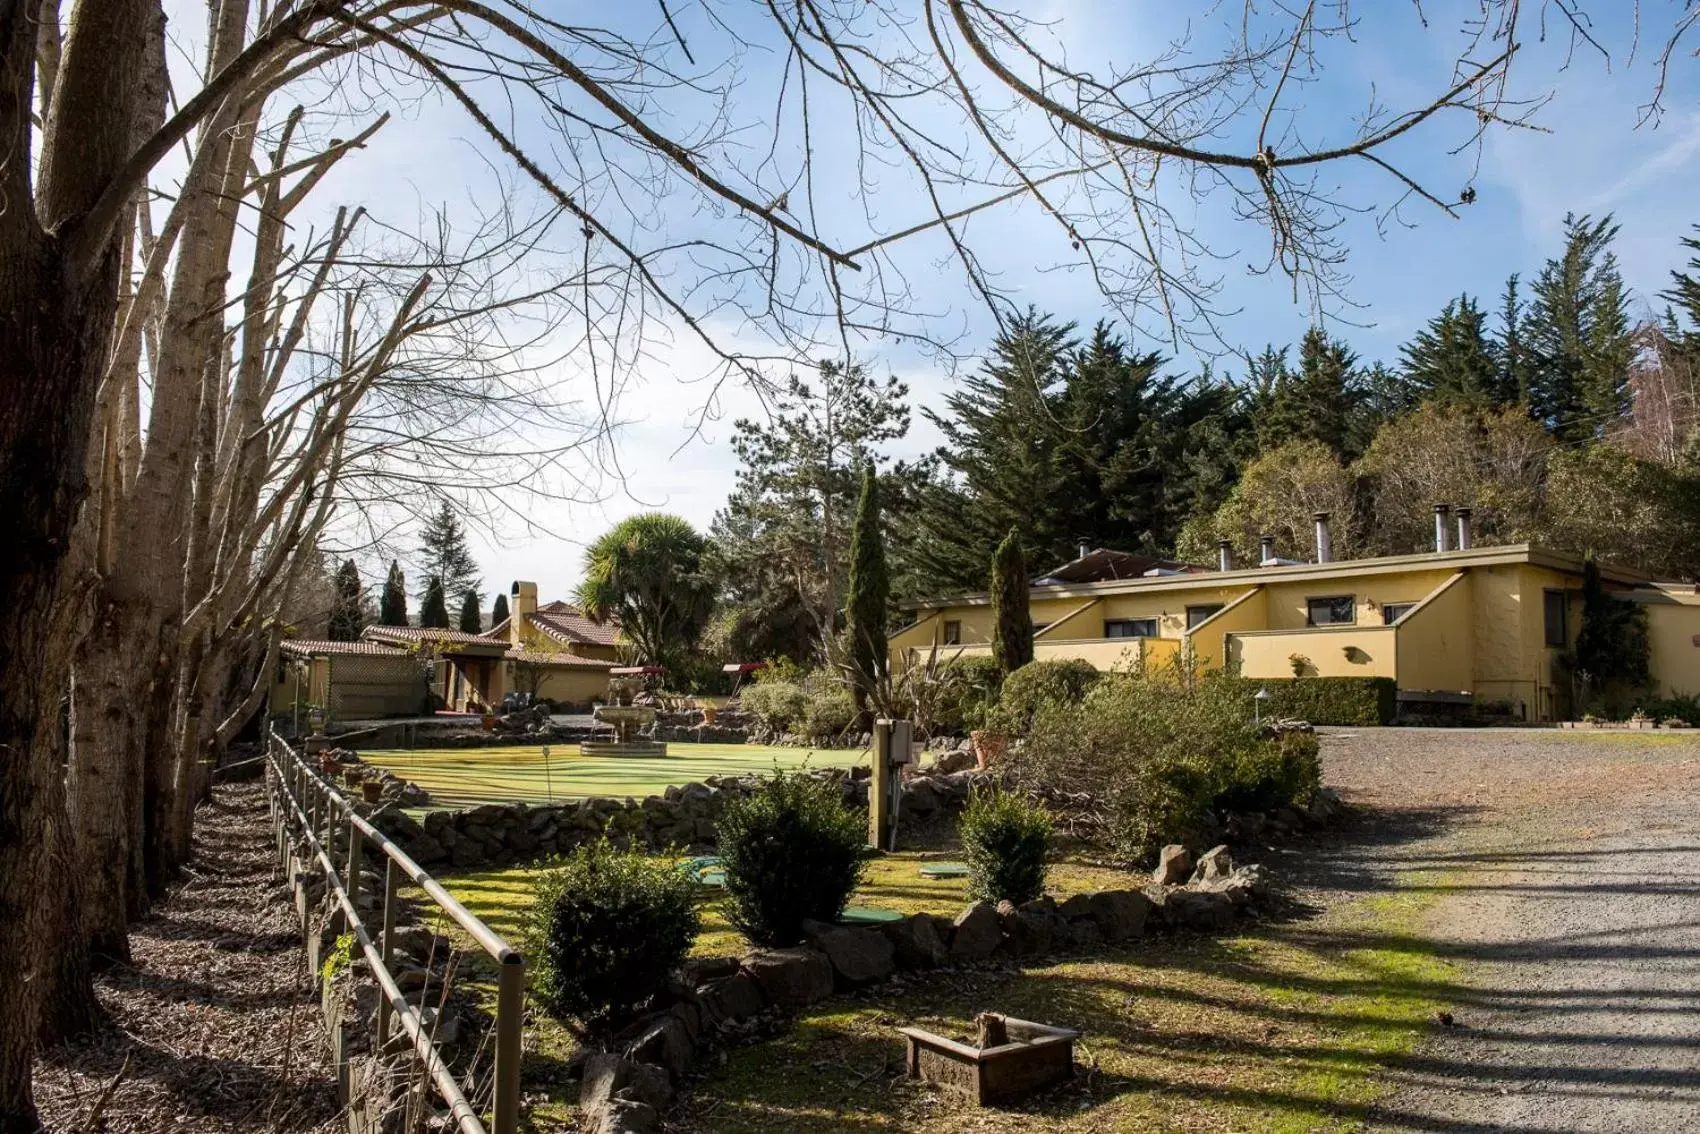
[[499, 610], [471, 617], [1612, 647], [348, 615], [868, 594], [1322, 401], [1452, 360], [444, 554], [434, 609], [1012, 616], [1516, 364], [392, 606], [1579, 334]]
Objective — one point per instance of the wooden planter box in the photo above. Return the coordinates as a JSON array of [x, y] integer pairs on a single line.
[[1018, 1059]]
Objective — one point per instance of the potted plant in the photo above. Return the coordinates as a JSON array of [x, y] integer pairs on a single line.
[[988, 733], [329, 764], [372, 791], [352, 776]]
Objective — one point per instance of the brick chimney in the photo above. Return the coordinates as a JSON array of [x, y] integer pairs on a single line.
[[521, 606]]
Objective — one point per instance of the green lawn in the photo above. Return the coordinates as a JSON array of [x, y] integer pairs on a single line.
[[1282, 1028], [461, 777]]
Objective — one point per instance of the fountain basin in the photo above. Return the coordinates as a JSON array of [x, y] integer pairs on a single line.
[[625, 720]]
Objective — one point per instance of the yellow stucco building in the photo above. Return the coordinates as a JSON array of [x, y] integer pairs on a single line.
[[1458, 624], [551, 651]]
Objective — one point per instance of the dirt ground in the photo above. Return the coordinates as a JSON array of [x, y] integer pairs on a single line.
[[212, 1027], [1566, 876]]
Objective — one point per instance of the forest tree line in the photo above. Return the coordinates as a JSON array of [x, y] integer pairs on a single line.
[[1551, 410]]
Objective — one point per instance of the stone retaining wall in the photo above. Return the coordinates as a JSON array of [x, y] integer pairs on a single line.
[[683, 818]]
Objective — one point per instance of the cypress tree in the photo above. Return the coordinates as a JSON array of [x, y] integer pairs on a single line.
[[1611, 643], [1516, 364], [444, 554], [1012, 620], [392, 606], [868, 593], [346, 620], [434, 611], [471, 617], [1451, 360], [499, 611], [1579, 334]]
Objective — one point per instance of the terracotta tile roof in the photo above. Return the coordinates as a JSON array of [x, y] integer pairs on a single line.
[[568, 625], [558, 658], [320, 647], [411, 634]]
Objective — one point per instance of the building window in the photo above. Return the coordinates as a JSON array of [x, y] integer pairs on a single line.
[[953, 632], [1197, 614], [1392, 612], [1130, 628], [1334, 610], [1557, 611]]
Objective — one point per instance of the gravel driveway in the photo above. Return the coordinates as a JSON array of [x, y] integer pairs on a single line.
[[1568, 872]]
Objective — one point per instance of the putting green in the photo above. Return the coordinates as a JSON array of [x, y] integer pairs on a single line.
[[462, 777]]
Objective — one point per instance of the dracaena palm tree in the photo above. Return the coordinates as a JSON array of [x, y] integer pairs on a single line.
[[648, 573]]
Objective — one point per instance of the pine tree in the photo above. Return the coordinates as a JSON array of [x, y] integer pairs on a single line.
[[444, 554], [1516, 365], [868, 593], [1452, 360], [1579, 334], [1012, 618], [347, 612], [1322, 401], [499, 610], [471, 617], [1612, 647], [392, 607], [434, 610]]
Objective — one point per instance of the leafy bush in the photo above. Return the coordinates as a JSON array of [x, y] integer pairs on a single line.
[[1321, 700], [828, 708], [605, 929], [1005, 838], [968, 691], [1684, 709], [1157, 755], [792, 853], [1272, 775], [779, 705], [1039, 684]]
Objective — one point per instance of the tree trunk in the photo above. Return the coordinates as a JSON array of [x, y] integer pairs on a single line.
[[105, 789]]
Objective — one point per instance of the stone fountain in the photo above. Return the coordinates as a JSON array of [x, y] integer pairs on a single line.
[[626, 719]]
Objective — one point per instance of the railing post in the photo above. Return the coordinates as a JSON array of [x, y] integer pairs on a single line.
[[510, 1021], [386, 942], [356, 852]]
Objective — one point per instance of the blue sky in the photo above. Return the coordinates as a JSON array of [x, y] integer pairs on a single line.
[[1593, 159]]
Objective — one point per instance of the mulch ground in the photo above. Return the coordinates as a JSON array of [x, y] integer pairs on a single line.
[[213, 1026]]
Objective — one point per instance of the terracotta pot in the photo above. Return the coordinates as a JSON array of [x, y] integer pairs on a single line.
[[989, 746], [329, 765], [372, 791], [709, 712], [351, 777], [489, 720]]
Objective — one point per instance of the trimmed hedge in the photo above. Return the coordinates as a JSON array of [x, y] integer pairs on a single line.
[[1325, 700]]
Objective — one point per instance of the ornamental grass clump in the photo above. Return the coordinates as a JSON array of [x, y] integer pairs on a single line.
[[1006, 840], [604, 931], [792, 852]]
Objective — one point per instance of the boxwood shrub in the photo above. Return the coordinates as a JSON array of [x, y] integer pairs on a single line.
[[793, 852], [605, 929], [1039, 684], [1322, 700], [1006, 839]]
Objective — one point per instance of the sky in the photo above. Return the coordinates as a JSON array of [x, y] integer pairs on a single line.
[[1591, 154]]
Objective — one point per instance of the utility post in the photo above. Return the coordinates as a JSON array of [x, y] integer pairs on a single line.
[[892, 749]]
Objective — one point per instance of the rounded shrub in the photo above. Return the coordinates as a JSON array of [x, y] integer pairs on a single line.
[[605, 929], [1006, 839], [829, 708], [968, 689], [792, 853], [779, 705], [1039, 684]]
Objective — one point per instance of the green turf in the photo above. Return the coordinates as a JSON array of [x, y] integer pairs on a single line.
[[460, 777]]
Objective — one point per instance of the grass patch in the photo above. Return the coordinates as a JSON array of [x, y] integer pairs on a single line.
[[1283, 1029], [465, 777]]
